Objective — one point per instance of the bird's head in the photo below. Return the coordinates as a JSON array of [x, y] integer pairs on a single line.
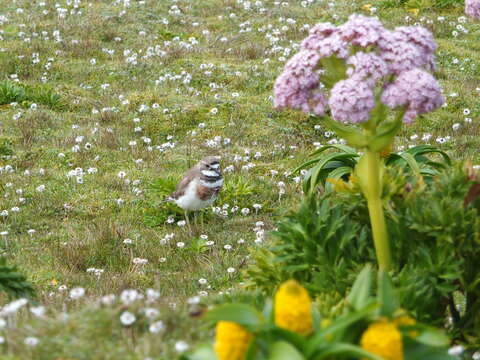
[[210, 166]]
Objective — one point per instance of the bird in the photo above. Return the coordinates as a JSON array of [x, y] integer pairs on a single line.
[[200, 186]]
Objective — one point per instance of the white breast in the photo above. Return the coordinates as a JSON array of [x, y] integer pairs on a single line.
[[190, 200]]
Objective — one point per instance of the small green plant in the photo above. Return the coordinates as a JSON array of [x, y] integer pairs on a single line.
[[289, 328], [237, 191], [12, 282], [25, 95], [341, 164], [5, 147], [11, 92]]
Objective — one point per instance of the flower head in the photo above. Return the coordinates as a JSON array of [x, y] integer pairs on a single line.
[[77, 293], [399, 54], [326, 40], [297, 86], [351, 100], [384, 339], [423, 40], [362, 30], [472, 8], [323, 30], [231, 341], [367, 66], [404, 54], [419, 36], [127, 318], [293, 308], [416, 89]]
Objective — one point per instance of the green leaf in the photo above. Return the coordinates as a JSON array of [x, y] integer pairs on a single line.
[[323, 162], [339, 324], [282, 350], [410, 160], [360, 293], [239, 313], [334, 156], [254, 352], [341, 147], [429, 149], [432, 337], [386, 295], [203, 352], [417, 351], [268, 310], [385, 135], [345, 349], [291, 337]]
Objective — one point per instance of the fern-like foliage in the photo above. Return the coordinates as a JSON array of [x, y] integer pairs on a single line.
[[12, 282]]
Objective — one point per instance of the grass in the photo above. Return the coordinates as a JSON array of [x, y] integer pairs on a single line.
[[182, 71]]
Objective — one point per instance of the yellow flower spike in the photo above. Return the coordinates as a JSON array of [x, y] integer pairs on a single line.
[[384, 339], [231, 341], [293, 308]]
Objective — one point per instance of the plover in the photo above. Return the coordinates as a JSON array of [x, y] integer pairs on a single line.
[[200, 186]]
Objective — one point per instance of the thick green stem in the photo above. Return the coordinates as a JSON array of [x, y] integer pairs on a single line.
[[373, 193]]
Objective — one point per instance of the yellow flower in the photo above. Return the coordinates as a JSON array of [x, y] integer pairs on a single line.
[[293, 310], [384, 339], [367, 7], [414, 11], [231, 341]]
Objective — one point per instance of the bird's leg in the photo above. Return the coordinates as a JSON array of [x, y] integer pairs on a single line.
[[188, 222], [195, 219]]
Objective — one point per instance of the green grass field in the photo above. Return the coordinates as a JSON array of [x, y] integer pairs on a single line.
[[112, 102]]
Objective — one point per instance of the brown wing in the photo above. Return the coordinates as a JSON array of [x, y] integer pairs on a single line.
[[182, 185], [205, 193]]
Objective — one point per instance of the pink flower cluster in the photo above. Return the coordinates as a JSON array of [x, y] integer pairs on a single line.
[[299, 84], [472, 8], [397, 60], [416, 89]]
